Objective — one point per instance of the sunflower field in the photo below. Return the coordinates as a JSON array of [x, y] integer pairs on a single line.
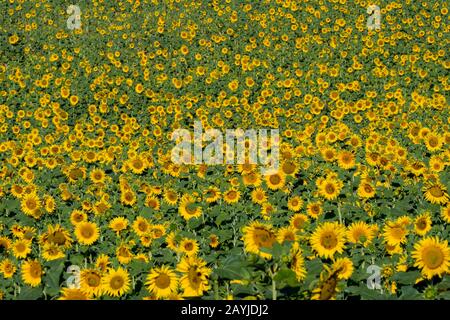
[[93, 207]]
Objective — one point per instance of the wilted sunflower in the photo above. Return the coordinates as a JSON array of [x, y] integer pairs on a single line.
[[258, 236], [194, 279], [328, 238], [87, 232], [116, 282], [162, 281], [433, 256]]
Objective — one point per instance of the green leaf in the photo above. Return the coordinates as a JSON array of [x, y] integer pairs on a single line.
[[409, 277], [286, 277], [29, 293], [409, 293]]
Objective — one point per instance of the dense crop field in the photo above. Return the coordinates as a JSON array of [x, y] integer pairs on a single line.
[[92, 205]]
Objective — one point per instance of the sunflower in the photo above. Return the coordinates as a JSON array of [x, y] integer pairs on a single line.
[[252, 179], [393, 249], [360, 232], [366, 190], [295, 203], [87, 232], [433, 142], [137, 165], [327, 288], [188, 209], [257, 236], [329, 188], [21, 248], [102, 263], [433, 256], [97, 176], [8, 268], [30, 204], [162, 281], [231, 196], [314, 209], [52, 252], [259, 196], [124, 254], [289, 168], [211, 194], [213, 241], [116, 282], [436, 193], [395, 233], [328, 238], [32, 272], [298, 262], [286, 234], [171, 197], [118, 224], [298, 221], [346, 159], [445, 213], [344, 267], [141, 226], [91, 282], [5, 244], [195, 274], [275, 180], [422, 223], [157, 231], [188, 246], [73, 294], [56, 235], [128, 197]]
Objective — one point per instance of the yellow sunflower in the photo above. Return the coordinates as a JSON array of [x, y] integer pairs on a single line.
[[32, 273], [231, 196], [422, 223], [433, 256], [162, 282], [275, 180], [73, 294], [118, 224], [141, 226], [188, 208], [91, 282], [8, 268], [344, 267], [21, 248], [30, 204], [436, 193], [299, 221], [188, 246], [445, 213], [295, 203], [360, 232], [87, 232], [195, 274], [116, 282], [257, 236], [328, 238]]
